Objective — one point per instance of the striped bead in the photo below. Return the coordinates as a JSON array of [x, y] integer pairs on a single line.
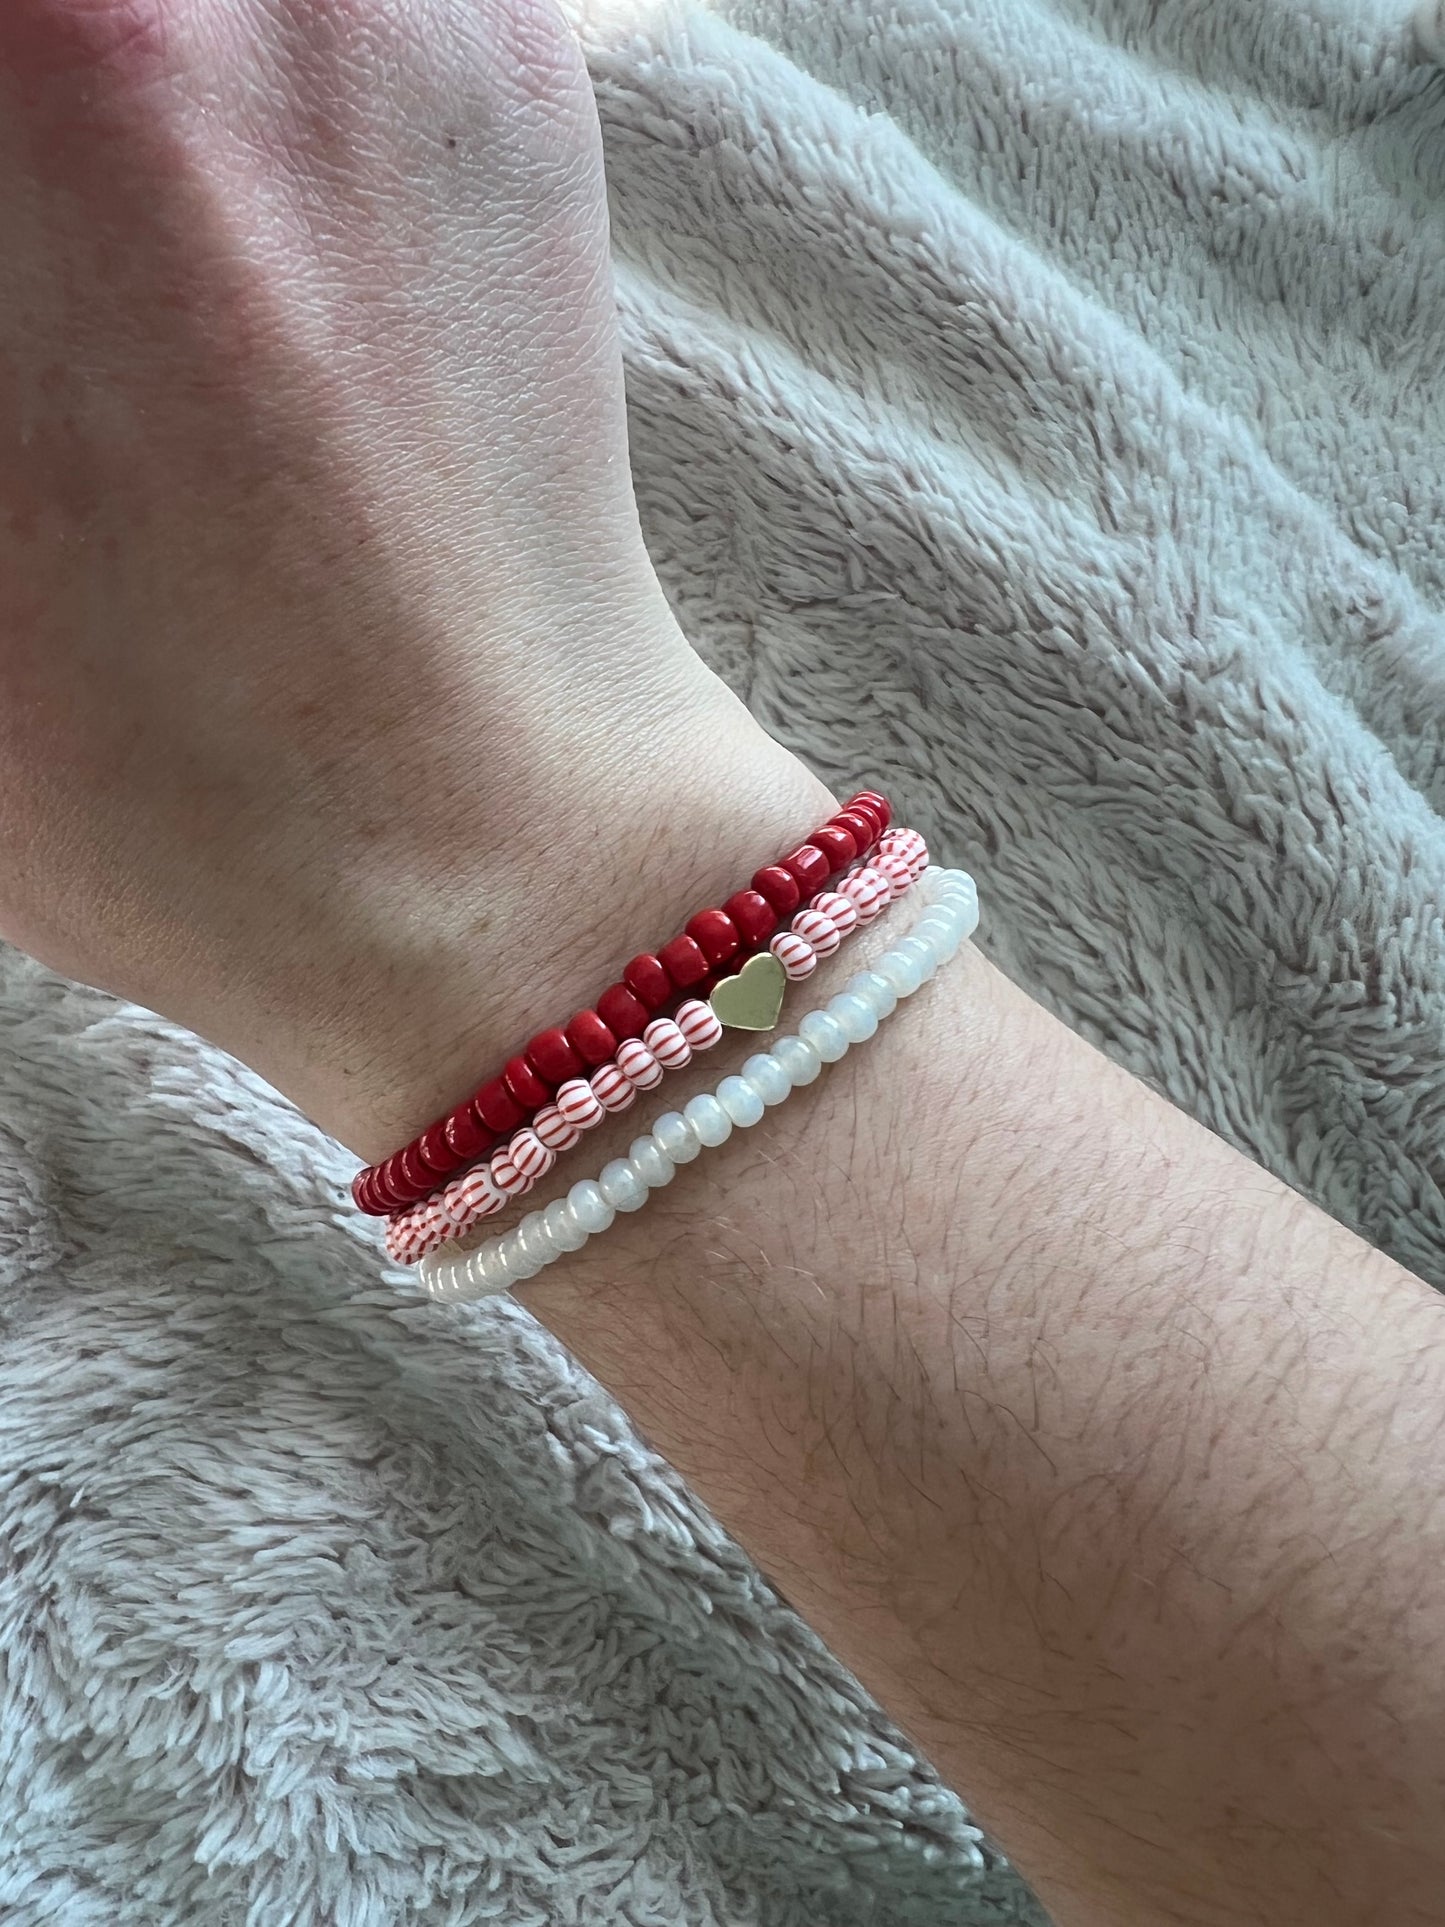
[[638, 1064], [556, 1132], [896, 871], [699, 1024], [471, 1196], [611, 1088], [579, 1104], [411, 1237], [508, 1179], [667, 1043], [910, 846], [814, 928], [530, 1155], [839, 911], [797, 956], [868, 893]]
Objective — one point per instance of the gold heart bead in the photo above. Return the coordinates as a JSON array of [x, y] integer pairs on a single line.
[[752, 999]]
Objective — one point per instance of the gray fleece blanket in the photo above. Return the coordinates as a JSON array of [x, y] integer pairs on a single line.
[[1036, 410]]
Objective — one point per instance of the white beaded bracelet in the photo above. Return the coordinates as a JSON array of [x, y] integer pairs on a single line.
[[822, 1037]]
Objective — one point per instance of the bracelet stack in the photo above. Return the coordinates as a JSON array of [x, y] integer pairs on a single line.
[[730, 967], [690, 964], [677, 1137]]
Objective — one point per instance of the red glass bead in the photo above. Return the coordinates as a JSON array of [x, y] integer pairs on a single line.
[[865, 813], [361, 1191], [810, 867], [836, 845], [859, 826], [495, 1105], [435, 1152], [383, 1199], [882, 807], [529, 1090], [646, 977], [387, 1187], [590, 1038], [754, 916], [414, 1174], [401, 1189], [553, 1058], [466, 1133], [623, 1012], [715, 934], [779, 887], [684, 962]]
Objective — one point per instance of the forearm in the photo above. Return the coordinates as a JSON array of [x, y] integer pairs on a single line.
[[1105, 1460]]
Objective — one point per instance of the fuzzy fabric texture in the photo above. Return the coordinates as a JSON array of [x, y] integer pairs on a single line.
[[1060, 381]]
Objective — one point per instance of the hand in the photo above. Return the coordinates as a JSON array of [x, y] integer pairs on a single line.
[[341, 714]]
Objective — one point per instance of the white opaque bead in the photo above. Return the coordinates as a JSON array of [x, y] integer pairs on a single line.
[[926, 955], [651, 1162], [447, 1283], [857, 1018], [520, 1265], [589, 1207], [875, 991], [562, 1227], [825, 1034], [902, 972], [798, 1059], [708, 1119], [535, 1239], [965, 904], [621, 1184], [486, 1275], [767, 1077], [676, 1136], [941, 934], [742, 1103]]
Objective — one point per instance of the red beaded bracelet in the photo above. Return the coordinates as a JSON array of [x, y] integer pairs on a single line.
[[689, 964]]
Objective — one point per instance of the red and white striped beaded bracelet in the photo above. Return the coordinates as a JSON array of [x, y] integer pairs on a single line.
[[687, 965], [640, 1063]]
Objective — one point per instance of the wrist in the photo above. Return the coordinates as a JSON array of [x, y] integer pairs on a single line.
[[472, 950]]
